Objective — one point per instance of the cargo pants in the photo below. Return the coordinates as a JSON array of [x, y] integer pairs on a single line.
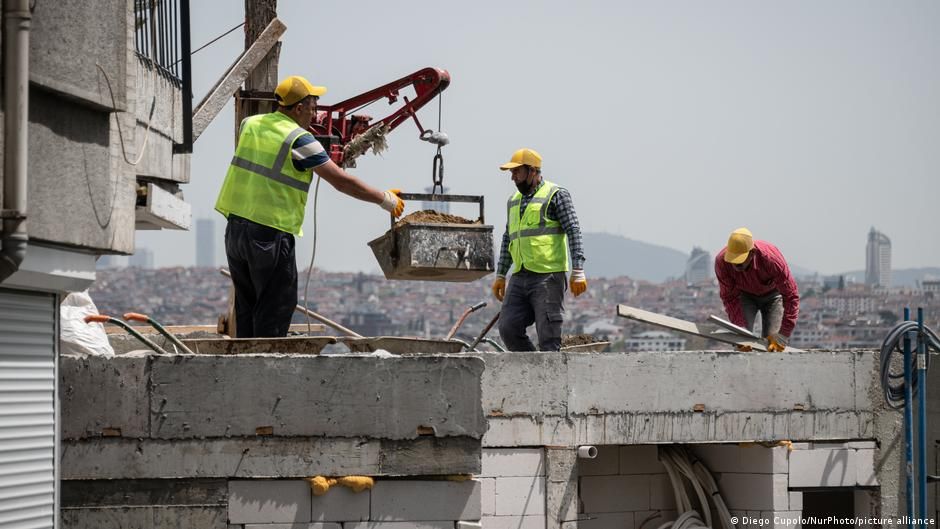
[[533, 298]]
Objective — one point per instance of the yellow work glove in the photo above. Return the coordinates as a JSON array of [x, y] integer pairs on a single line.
[[578, 282], [499, 287], [393, 203], [776, 343]]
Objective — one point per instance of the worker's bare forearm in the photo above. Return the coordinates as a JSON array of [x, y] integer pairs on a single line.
[[348, 184]]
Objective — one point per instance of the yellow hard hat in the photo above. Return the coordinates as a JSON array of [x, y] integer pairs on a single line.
[[523, 157], [295, 88], [740, 243]]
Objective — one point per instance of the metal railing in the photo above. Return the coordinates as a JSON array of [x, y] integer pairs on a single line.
[[161, 38]]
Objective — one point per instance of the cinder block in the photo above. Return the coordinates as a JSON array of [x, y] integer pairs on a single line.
[[865, 467], [741, 459], [615, 493], [328, 525], [611, 520], [340, 504], [503, 462], [823, 468], [399, 525], [469, 525], [520, 496], [408, 500], [640, 459], [488, 496], [607, 462], [661, 494], [268, 501], [513, 522], [796, 501], [754, 492]]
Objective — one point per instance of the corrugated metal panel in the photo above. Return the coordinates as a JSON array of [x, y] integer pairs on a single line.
[[27, 409]]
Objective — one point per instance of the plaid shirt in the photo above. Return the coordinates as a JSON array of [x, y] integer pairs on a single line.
[[561, 208]]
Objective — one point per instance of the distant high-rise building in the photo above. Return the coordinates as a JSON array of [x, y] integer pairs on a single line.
[[440, 207], [699, 268], [142, 258], [878, 259], [205, 242], [106, 261]]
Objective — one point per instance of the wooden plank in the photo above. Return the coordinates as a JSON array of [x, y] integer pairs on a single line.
[[712, 332], [187, 329], [223, 90]]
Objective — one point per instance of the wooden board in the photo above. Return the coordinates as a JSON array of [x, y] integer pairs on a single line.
[[705, 330]]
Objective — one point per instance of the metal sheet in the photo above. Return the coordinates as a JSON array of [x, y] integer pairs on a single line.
[[27, 409]]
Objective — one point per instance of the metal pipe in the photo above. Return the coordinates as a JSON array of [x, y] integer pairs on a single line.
[[921, 420], [908, 423], [16, 127]]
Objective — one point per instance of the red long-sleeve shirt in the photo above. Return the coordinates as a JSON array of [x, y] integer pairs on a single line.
[[768, 271]]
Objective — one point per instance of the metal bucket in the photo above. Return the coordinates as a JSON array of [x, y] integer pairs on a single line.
[[436, 252]]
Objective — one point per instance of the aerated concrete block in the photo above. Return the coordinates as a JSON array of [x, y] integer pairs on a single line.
[[754, 492], [514, 522], [615, 493], [520, 496], [510, 462], [661, 494], [823, 468], [796, 501], [340, 504], [782, 519], [488, 496], [469, 525], [743, 459], [865, 468], [640, 459], [408, 500], [399, 525], [269, 501], [607, 462]]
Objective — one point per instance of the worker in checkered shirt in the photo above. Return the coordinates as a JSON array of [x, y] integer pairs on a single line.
[[542, 236]]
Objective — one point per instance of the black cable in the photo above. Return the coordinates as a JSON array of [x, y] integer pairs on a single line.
[[893, 383], [206, 45]]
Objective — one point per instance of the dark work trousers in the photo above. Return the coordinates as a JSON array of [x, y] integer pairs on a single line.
[[770, 308], [264, 272], [533, 298]]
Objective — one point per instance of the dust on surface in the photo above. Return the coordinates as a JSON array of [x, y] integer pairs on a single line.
[[568, 340], [435, 217]]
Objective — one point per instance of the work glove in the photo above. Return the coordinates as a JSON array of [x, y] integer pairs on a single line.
[[777, 342], [499, 287], [392, 203], [578, 282]]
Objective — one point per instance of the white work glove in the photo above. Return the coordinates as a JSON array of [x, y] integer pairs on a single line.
[[392, 203], [577, 282]]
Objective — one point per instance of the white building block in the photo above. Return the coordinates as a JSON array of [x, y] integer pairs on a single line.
[[863, 444], [399, 525], [510, 462], [742, 459], [469, 525], [328, 525], [611, 520], [615, 493], [488, 496], [513, 522], [640, 459], [754, 492], [823, 468], [268, 501], [661, 494], [408, 500], [796, 501], [607, 462], [340, 504], [865, 467], [520, 496]]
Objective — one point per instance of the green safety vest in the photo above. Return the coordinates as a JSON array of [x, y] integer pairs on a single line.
[[262, 184], [536, 241]]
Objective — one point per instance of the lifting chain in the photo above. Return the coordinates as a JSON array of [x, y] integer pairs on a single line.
[[440, 139]]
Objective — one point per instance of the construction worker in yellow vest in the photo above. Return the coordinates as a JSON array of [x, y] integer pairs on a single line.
[[542, 234], [264, 197]]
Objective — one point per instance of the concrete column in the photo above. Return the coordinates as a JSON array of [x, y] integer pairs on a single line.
[[561, 487]]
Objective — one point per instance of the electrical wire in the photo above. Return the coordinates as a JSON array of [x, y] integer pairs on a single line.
[[313, 254], [680, 467], [893, 383]]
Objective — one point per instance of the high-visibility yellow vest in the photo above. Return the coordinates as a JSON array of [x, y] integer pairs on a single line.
[[535, 241], [262, 184]]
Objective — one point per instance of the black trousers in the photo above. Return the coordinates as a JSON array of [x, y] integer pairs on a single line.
[[264, 272], [533, 298]]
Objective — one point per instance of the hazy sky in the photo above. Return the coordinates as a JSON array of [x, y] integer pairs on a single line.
[[670, 122]]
